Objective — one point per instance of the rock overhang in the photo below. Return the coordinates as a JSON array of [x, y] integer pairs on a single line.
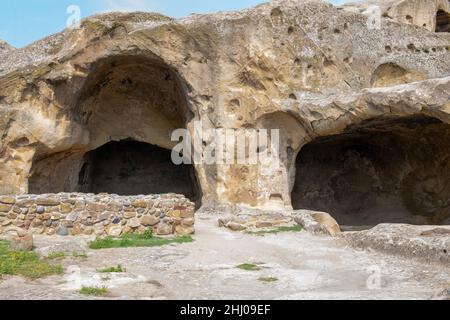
[[306, 66]]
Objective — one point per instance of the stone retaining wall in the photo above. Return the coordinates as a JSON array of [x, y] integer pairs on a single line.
[[89, 214]]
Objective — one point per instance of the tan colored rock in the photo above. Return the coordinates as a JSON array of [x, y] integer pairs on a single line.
[[164, 229], [140, 203], [235, 226], [95, 207], [5, 207], [114, 206], [55, 216], [37, 223], [317, 222], [115, 231], [18, 238], [47, 201], [149, 220], [22, 241], [187, 213], [264, 224], [88, 231], [184, 230], [6, 223], [174, 214], [134, 223], [75, 231], [328, 222], [127, 229], [65, 207], [7, 200], [17, 209], [188, 222], [129, 214]]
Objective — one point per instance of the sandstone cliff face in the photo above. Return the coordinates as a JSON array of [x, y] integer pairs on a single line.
[[429, 14], [308, 68]]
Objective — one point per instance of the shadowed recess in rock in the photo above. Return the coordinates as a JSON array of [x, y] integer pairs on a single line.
[[387, 170], [125, 99], [133, 168], [125, 168], [133, 97], [442, 21]]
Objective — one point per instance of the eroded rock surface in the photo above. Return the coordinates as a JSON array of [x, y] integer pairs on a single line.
[[317, 222], [313, 70], [426, 243]]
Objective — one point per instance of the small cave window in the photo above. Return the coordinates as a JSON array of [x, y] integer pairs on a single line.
[[442, 21]]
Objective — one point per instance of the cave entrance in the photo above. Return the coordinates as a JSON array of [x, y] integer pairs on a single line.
[[442, 21], [128, 107], [387, 170], [129, 167]]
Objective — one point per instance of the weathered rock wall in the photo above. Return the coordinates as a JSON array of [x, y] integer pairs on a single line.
[[88, 214], [421, 13], [306, 67]]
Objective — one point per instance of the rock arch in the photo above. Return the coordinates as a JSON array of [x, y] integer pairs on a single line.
[[129, 105]]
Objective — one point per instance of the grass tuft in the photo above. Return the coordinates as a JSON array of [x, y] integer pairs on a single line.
[[268, 279], [296, 228], [249, 267], [146, 239], [117, 269], [81, 255], [93, 291], [24, 263], [56, 256]]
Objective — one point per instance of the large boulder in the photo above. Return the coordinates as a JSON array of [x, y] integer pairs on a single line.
[[19, 239], [317, 222], [427, 243]]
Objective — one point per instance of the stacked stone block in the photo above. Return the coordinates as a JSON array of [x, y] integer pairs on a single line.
[[101, 215]]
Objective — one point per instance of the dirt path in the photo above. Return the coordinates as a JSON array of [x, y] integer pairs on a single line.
[[306, 266]]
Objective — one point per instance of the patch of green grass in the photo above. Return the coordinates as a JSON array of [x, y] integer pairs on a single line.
[[24, 263], [93, 291], [56, 256], [249, 267], [268, 279], [296, 228], [146, 239], [81, 255], [117, 269]]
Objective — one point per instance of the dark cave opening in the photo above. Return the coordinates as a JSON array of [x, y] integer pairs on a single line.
[[129, 167], [442, 21], [125, 99], [387, 170]]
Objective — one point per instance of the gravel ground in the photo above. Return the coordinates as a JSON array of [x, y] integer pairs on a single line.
[[305, 266]]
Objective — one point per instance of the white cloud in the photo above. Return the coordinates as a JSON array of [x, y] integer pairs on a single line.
[[129, 5]]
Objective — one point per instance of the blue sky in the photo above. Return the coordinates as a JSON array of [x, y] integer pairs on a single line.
[[25, 21]]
